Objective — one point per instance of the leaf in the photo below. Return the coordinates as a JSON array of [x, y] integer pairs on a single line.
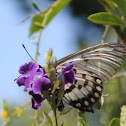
[[105, 19], [47, 118], [65, 111], [121, 4], [56, 8], [35, 5], [114, 122], [33, 28], [82, 119], [45, 17]]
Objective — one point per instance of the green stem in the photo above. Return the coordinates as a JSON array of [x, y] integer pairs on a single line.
[[120, 35], [37, 117], [55, 115], [37, 45]]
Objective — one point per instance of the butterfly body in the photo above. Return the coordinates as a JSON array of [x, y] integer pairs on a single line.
[[93, 66]]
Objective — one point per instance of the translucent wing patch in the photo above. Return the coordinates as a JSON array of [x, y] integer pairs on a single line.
[[93, 66]]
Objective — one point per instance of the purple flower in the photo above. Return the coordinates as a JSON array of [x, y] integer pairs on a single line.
[[36, 80], [41, 85], [68, 73], [36, 100], [30, 73]]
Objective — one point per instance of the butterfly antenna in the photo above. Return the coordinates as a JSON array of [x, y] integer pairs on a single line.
[[17, 78], [27, 52]]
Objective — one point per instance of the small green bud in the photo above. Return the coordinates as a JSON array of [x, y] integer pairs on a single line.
[[20, 111], [123, 116], [53, 73], [53, 61], [35, 6], [61, 90], [4, 105], [56, 85], [38, 25], [46, 66], [48, 55]]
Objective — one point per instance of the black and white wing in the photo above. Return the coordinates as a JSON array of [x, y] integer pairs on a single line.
[[93, 66]]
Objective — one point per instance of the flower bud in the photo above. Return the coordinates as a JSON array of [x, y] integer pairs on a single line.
[[123, 116], [48, 55], [53, 63], [46, 66], [4, 114], [20, 111]]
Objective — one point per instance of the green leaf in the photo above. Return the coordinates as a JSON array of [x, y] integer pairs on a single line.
[[45, 17], [65, 111], [33, 28], [47, 118], [82, 119], [114, 122], [121, 4], [56, 8], [35, 5], [105, 19]]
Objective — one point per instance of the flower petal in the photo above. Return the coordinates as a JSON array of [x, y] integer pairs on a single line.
[[28, 83], [28, 67], [41, 85], [21, 81], [36, 100], [68, 67], [69, 77]]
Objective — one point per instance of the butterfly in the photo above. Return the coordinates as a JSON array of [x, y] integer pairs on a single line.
[[93, 66]]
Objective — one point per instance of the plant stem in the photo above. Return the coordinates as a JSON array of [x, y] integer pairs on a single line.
[[37, 45], [55, 115], [122, 74], [120, 35], [37, 118], [105, 33]]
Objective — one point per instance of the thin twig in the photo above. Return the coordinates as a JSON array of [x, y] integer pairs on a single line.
[[34, 14], [105, 33], [37, 45], [44, 23], [120, 35], [122, 74]]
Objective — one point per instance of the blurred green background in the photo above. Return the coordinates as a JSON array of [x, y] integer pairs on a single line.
[[68, 32]]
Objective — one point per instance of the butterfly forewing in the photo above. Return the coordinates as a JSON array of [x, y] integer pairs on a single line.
[[92, 67], [104, 59]]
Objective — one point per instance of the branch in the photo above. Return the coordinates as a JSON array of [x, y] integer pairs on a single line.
[[122, 74], [105, 33], [120, 35]]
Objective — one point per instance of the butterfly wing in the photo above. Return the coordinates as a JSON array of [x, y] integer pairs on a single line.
[[93, 66]]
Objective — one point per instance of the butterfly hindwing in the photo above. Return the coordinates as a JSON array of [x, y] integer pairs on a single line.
[[85, 92], [92, 67]]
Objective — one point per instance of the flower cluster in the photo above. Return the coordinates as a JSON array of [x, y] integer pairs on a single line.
[[36, 81]]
